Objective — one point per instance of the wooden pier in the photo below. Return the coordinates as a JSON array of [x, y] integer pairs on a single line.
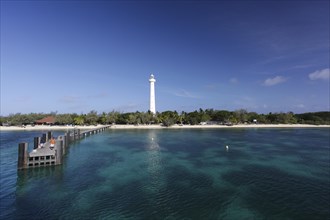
[[46, 154]]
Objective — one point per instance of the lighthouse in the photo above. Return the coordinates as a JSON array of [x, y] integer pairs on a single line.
[[152, 81]]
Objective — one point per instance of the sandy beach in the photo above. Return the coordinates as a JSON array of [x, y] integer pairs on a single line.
[[218, 126], [45, 127]]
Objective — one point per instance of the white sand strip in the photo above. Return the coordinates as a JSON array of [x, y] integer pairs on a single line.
[[45, 127], [219, 126]]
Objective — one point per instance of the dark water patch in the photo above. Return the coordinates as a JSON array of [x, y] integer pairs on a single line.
[[117, 203], [236, 154], [221, 157], [34, 193], [193, 194], [185, 195], [82, 178], [276, 194], [38, 173]]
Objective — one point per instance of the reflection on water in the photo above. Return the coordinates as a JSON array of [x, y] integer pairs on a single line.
[[153, 140], [54, 173], [154, 162]]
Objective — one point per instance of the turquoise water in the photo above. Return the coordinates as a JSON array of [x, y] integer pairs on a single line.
[[174, 174]]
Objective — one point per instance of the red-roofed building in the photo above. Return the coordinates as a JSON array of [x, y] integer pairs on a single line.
[[50, 120]]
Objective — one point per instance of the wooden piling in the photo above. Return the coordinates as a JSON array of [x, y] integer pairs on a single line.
[[49, 135], [44, 138], [67, 138], [22, 155], [59, 152], [64, 140], [61, 138], [36, 142]]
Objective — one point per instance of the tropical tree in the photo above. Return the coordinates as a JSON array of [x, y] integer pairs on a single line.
[[171, 117], [193, 118], [132, 118], [63, 119], [182, 117], [91, 118], [221, 116], [168, 118], [123, 118], [262, 119], [103, 119], [241, 115], [112, 117], [151, 118], [141, 117], [204, 116], [79, 120]]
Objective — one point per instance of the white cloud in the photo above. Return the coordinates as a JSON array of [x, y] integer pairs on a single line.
[[274, 81], [300, 106], [320, 74]]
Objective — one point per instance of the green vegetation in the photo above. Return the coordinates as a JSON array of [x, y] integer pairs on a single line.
[[168, 118], [316, 118]]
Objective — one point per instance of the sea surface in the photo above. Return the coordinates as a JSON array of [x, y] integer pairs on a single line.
[[174, 174]]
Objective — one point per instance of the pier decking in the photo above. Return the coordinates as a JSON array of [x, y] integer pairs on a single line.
[[44, 154]]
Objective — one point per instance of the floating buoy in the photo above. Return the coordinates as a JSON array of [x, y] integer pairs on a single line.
[[227, 147]]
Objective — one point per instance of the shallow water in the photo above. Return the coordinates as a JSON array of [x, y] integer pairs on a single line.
[[174, 174]]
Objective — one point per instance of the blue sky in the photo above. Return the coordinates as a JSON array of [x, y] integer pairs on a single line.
[[78, 56]]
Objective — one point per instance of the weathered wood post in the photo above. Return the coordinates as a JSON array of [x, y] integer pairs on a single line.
[[67, 138], [36, 142], [64, 140], [59, 152], [61, 138], [44, 138], [49, 135], [22, 155], [78, 132]]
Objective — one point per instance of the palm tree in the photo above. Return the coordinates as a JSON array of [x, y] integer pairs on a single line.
[[79, 120]]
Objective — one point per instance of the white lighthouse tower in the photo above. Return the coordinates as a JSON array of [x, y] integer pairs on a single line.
[[152, 81]]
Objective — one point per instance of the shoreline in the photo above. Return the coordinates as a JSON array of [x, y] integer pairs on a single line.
[[55, 127], [47, 127]]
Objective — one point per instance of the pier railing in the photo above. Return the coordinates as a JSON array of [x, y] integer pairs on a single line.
[[45, 153]]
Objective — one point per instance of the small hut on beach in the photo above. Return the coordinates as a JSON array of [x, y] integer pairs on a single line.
[[50, 120]]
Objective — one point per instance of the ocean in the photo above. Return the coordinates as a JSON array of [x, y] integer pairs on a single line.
[[266, 173]]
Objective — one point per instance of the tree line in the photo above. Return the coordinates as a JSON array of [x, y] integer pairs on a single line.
[[168, 118]]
